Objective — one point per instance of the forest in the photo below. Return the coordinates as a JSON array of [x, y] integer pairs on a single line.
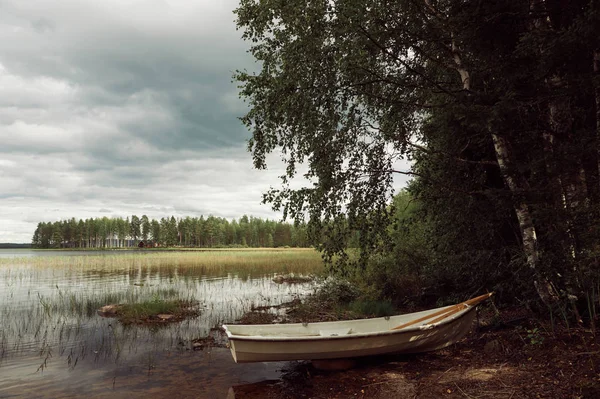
[[207, 232], [496, 106]]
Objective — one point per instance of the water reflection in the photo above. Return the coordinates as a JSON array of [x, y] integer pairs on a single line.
[[53, 344], [28, 253]]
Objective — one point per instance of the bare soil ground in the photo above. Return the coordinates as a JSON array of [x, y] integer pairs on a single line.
[[499, 360]]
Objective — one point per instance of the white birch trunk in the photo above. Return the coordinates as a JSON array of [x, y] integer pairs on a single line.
[[528, 233], [504, 159], [526, 226]]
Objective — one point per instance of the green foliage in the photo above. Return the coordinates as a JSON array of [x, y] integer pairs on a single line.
[[372, 308], [169, 231], [148, 308], [143, 312], [351, 86], [400, 275], [337, 291], [411, 245], [385, 278], [309, 100], [339, 299], [534, 336], [135, 227], [145, 226]]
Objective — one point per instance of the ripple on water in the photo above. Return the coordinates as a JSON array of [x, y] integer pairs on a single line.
[[53, 344]]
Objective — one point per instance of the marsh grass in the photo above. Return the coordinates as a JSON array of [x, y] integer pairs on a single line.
[[82, 304], [214, 262], [148, 312], [51, 301]]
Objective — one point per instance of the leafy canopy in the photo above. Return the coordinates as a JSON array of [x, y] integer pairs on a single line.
[[340, 90]]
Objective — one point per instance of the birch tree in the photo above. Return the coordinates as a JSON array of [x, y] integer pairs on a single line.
[[348, 87]]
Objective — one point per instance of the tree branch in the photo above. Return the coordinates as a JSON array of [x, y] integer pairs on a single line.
[[403, 63], [429, 180], [429, 151]]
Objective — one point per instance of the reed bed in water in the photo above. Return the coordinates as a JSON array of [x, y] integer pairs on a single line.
[[213, 262], [48, 304]]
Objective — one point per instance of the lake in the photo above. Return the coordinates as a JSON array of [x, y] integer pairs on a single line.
[[54, 344]]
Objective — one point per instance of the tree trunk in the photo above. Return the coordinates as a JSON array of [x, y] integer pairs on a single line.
[[570, 178], [596, 76], [526, 226], [514, 182], [561, 123]]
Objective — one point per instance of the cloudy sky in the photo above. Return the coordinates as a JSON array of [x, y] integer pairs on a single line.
[[121, 107]]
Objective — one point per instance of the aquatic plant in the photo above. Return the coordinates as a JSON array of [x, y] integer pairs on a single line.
[[48, 304]]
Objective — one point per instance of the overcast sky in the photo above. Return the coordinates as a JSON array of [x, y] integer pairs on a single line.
[[121, 107]]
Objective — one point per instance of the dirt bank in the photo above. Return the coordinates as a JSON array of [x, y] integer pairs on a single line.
[[500, 360]]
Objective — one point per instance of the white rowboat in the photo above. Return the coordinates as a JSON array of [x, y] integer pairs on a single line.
[[410, 333]]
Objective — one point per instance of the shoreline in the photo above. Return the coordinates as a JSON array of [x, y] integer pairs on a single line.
[[497, 359]]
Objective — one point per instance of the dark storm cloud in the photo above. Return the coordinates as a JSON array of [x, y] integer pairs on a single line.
[[171, 72], [122, 107]]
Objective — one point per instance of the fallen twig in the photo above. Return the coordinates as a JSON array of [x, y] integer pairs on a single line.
[[587, 353], [444, 373], [463, 392], [377, 383]]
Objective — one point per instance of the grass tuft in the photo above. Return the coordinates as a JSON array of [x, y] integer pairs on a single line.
[[156, 311]]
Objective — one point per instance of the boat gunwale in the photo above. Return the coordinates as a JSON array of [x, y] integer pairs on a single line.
[[292, 338]]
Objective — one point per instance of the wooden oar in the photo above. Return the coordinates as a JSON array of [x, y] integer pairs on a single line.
[[462, 306], [429, 316], [442, 317], [442, 314]]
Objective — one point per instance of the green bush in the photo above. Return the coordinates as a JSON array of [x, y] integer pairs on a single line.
[[372, 308], [338, 291], [386, 279]]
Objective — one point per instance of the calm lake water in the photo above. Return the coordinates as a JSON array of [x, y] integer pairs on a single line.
[[28, 253], [54, 344]]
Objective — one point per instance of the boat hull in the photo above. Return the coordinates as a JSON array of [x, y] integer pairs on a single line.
[[345, 343]]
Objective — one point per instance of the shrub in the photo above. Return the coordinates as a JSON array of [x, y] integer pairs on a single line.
[[372, 308], [337, 291], [386, 279]]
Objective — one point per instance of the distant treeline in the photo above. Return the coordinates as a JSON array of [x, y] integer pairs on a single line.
[[189, 231], [13, 245]]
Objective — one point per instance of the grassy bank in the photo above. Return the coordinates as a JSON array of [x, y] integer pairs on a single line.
[[333, 300]]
